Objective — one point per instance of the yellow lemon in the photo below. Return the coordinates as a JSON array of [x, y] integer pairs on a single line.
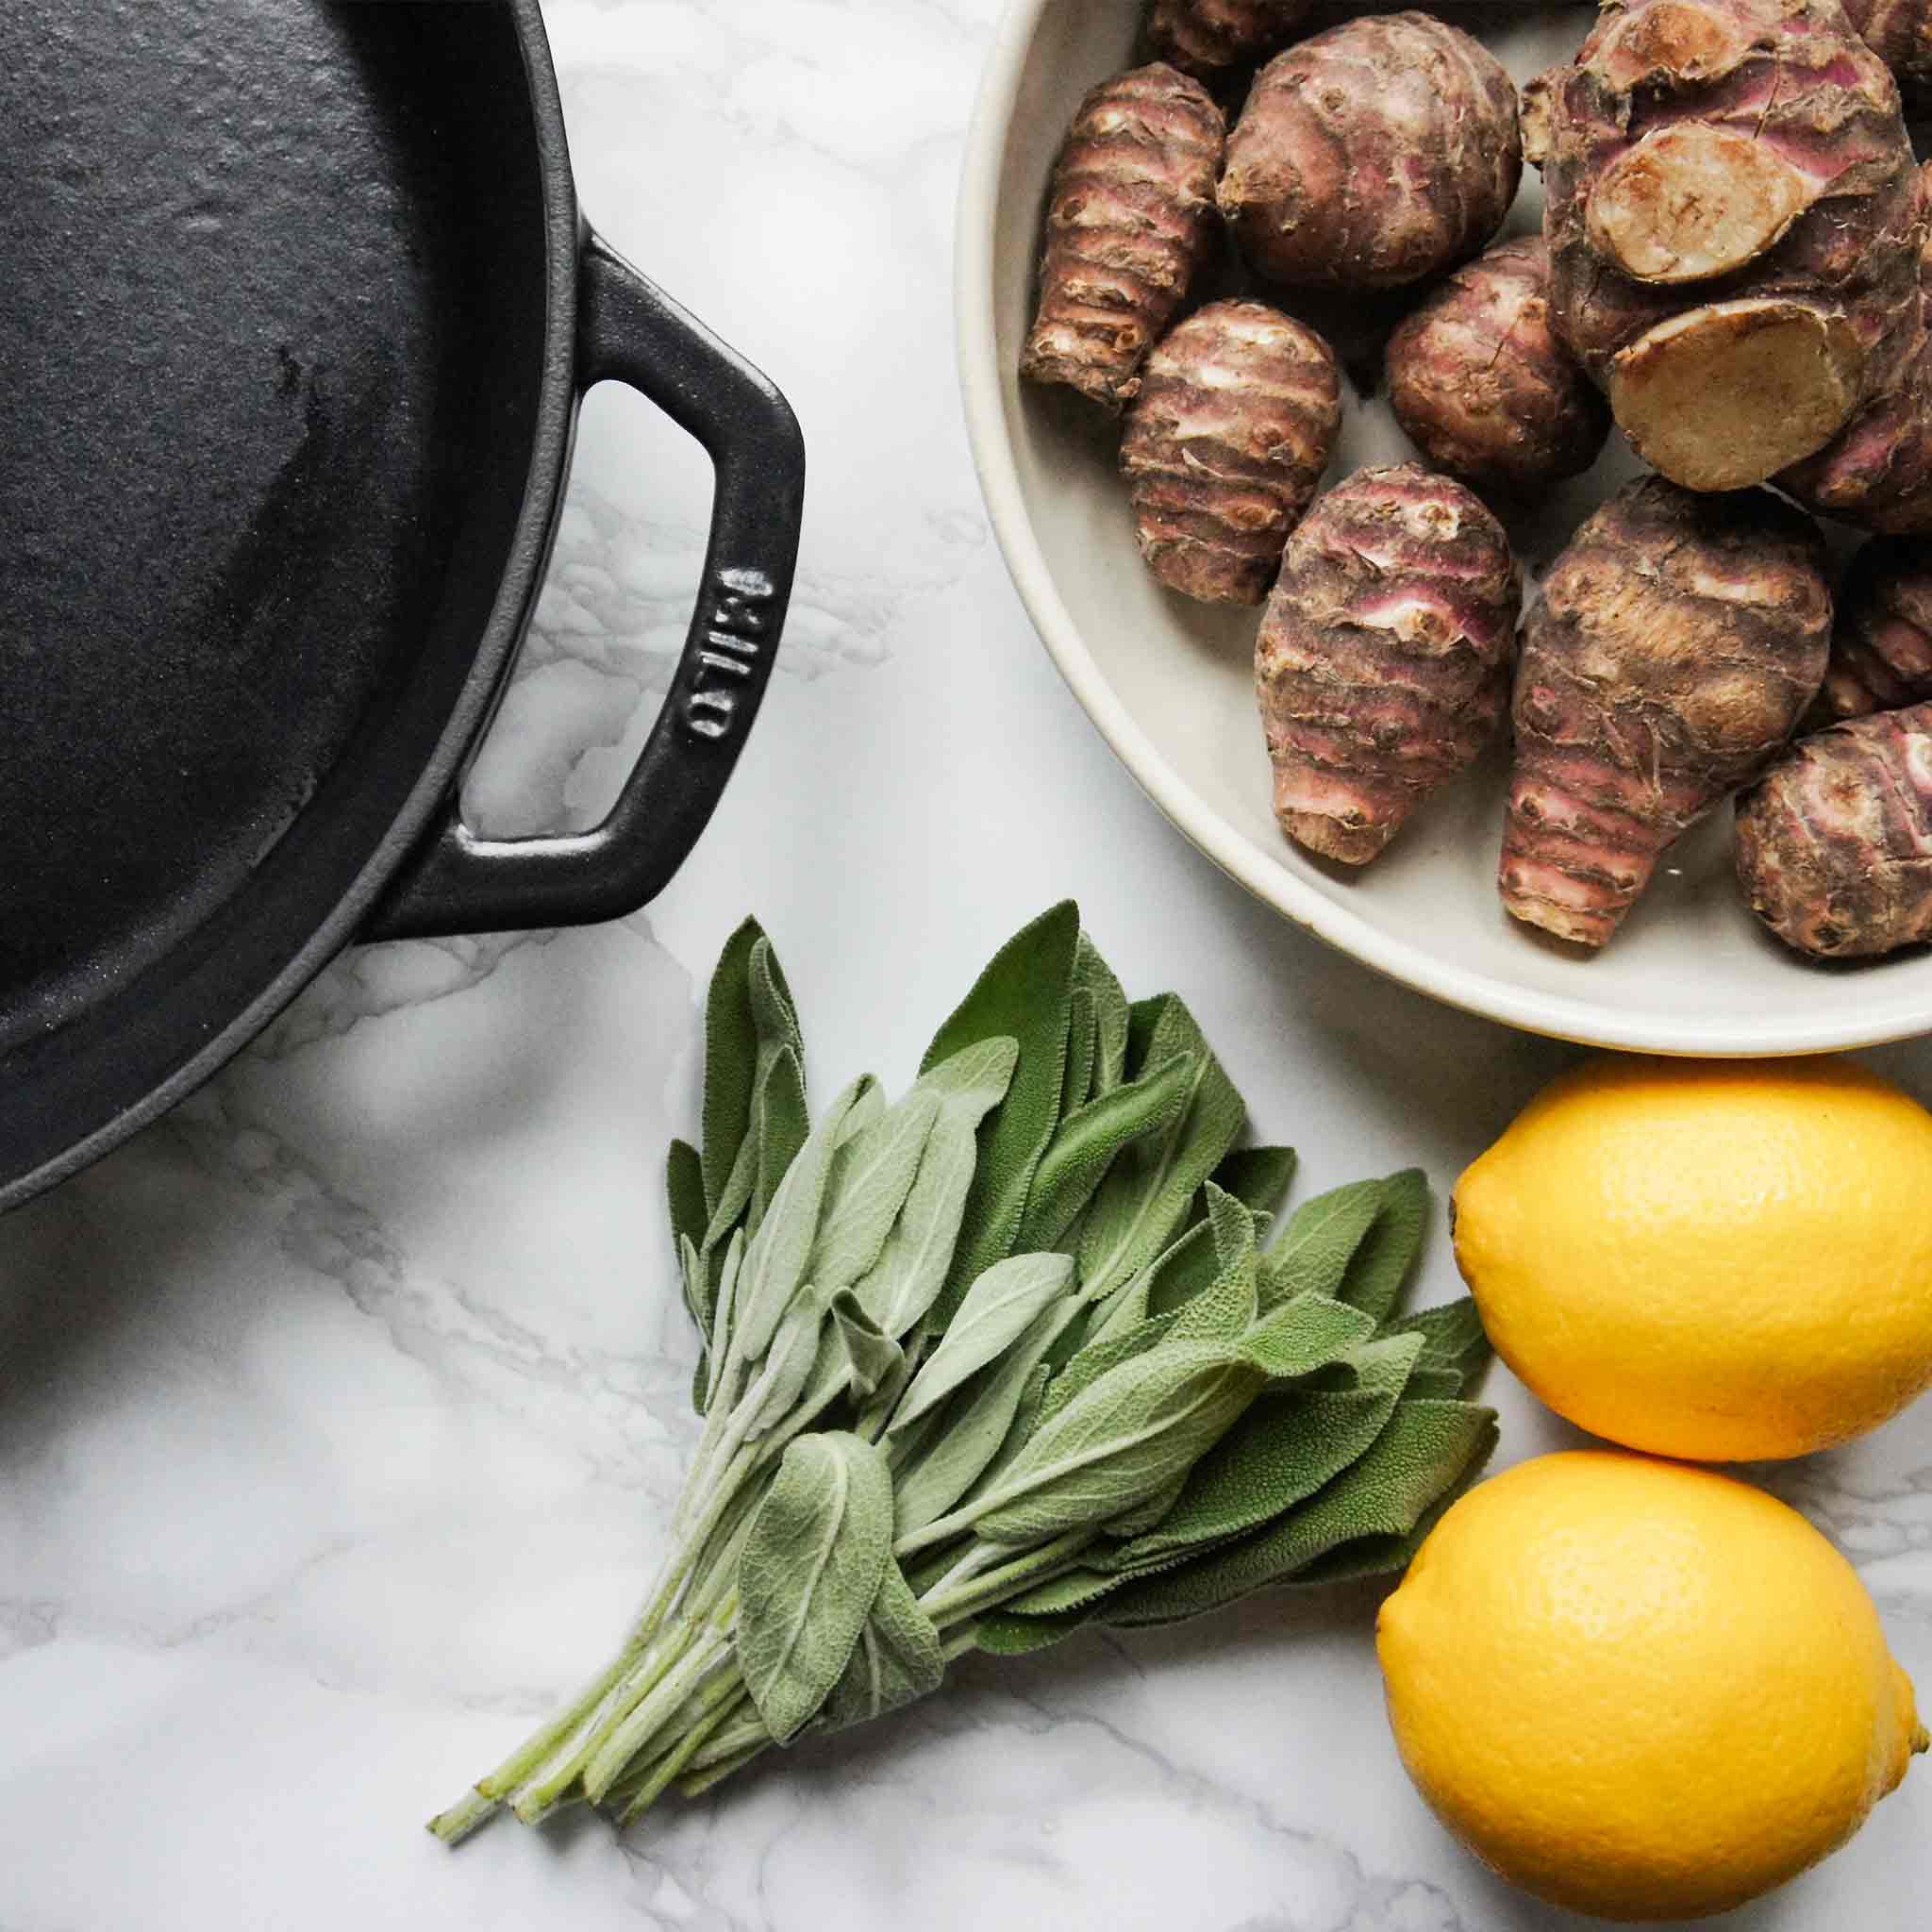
[[1640, 1689], [1714, 1259]]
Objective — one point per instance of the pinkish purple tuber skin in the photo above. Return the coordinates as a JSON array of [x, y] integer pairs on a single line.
[[1482, 385], [1881, 632], [1383, 660], [1835, 842], [1129, 224], [1205, 37], [1678, 641], [1226, 445], [1371, 156]]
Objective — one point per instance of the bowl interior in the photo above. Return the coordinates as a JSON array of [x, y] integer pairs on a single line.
[[1170, 681]]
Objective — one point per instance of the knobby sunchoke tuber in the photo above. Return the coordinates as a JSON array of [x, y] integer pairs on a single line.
[[1881, 631], [1835, 842], [1478, 379], [1373, 155], [1877, 471], [1383, 660], [1226, 445], [1900, 33], [1129, 222], [1677, 644], [1733, 216], [1203, 36]]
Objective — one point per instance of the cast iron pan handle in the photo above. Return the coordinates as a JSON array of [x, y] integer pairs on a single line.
[[633, 332]]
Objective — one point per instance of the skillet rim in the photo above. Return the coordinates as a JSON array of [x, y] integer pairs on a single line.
[[525, 562]]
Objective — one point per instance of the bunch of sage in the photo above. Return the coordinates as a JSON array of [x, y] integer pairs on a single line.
[[1008, 1354]]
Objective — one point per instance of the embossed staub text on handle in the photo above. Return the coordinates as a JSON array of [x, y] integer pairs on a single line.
[[737, 620]]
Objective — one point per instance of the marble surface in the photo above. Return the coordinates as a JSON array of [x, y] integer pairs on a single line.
[[339, 1414]]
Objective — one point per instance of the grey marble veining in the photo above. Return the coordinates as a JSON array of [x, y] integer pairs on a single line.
[[340, 1414]]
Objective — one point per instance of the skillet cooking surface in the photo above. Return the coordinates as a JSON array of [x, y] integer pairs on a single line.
[[263, 329]]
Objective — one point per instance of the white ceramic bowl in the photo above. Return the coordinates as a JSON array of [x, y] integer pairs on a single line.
[[1170, 683]]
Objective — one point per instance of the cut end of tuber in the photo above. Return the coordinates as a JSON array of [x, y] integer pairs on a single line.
[[1674, 40], [1549, 905], [1692, 201], [1348, 844], [1727, 395]]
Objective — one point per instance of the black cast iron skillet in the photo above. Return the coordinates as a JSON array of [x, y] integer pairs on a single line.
[[296, 307]]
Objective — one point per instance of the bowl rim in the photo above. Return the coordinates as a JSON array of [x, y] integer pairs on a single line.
[[1839, 1024]]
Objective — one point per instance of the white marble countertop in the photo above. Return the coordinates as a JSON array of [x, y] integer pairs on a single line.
[[339, 1413]]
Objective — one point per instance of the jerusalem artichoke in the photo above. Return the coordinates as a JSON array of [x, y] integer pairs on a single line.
[[1129, 224], [1203, 36], [1732, 210], [1480, 382], [1881, 631], [1226, 445], [1835, 842], [1373, 155], [1677, 644], [1877, 471], [1383, 660]]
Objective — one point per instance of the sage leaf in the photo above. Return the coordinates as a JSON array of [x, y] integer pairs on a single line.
[[749, 1017], [1424, 1449], [913, 1266], [870, 1358], [1146, 1513], [1429, 1380], [1187, 1267], [1025, 992], [786, 1367], [775, 1261], [774, 1013], [1093, 976], [865, 1112], [1304, 1334], [684, 1189], [1257, 1177], [814, 1555], [732, 1060], [1379, 1268], [1181, 1271], [975, 1426], [997, 1311], [871, 1173], [1027, 1418], [1117, 1443], [1228, 1307], [1453, 1335], [974, 1080], [1099, 1356], [898, 1657], [1285, 1448], [903, 1282], [690, 1268], [783, 1126], [1075, 1590], [1376, 1555], [1144, 1199], [1076, 1081], [723, 1310], [999, 1634], [1089, 1140], [1320, 1240]]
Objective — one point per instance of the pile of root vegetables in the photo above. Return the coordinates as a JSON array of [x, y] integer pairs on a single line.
[[1734, 273]]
